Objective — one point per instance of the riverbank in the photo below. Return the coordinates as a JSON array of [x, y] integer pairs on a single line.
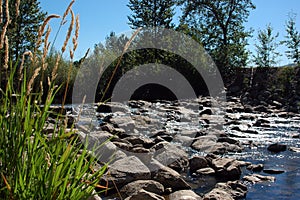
[[192, 148]]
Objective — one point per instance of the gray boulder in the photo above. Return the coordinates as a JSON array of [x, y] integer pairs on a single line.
[[148, 185], [145, 195], [184, 195]]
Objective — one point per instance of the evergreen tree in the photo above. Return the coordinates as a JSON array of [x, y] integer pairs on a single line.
[[219, 26], [151, 13], [292, 39], [24, 25], [266, 53]]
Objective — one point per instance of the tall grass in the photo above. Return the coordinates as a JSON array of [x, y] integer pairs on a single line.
[[34, 164]]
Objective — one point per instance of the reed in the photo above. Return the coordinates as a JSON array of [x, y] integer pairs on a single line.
[[32, 165]]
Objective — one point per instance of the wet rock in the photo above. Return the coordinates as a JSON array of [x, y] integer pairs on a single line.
[[276, 148], [205, 143], [172, 156], [227, 191], [148, 185], [227, 168], [94, 197], [120, 173], [197, 162], [256, 178], [228, 140], [168, 177], [101, 140], [256, 168], [184, 195], [218, 194], [206, 111], [273, 171], [145, 195], [205, 171], [294, 149], [136, 140], [124, 122]]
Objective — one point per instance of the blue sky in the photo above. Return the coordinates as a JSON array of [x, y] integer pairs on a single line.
[[99, 17]]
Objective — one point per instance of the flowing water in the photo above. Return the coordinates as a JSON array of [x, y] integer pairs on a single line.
[[279, 129]]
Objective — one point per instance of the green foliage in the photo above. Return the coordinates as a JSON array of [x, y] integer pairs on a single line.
[[153, 13], [219, 26], [266, 54], [34, 166], [292, 39], [23, 29]]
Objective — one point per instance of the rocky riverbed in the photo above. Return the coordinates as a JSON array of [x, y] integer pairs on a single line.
[[193, 149]]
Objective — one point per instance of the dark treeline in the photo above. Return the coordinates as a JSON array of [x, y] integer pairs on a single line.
[[219, 26]]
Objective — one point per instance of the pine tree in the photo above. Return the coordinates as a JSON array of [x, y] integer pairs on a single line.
[[266, 54], [219, 26], [292, 39], [22, 30], [151, 13]]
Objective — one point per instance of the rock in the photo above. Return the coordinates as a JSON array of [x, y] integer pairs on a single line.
[[145, 142], [296, 136], [172, 156], [256, 178], [294, 149], [228, 140], [205, 171], [184, 195], [217, 194], [227, 168], [235, 189], [276, 148], [94, 197], [145, 195], [205, 143], [273, 171], [206, 111], [124, 122], [148, 185], [120, 173], [100, 140], [197, 162], [168, 177], [255, 168]]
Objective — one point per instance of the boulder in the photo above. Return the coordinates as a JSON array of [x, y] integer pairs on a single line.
[[184, 195], [124, 122], [145, 195], [205, 171], [227, 168], [148, 185], [273, 171], [217, 194], [197, 162], [257, 178], [172, 156], [205, 143], [235, 189], [294, 149], [120, 173], [276, 148], [255, 168], [168, 177]]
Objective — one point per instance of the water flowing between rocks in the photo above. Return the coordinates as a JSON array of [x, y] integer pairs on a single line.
[[188, 123]]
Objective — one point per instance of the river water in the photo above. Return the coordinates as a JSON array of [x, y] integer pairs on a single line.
[[280, 129]]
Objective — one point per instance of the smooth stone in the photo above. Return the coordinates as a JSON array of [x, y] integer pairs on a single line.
[[257, 178], [255, 168], [184, 195], [205, 171], [276, 148], [273, 171], [148, 185], [144, 195]]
